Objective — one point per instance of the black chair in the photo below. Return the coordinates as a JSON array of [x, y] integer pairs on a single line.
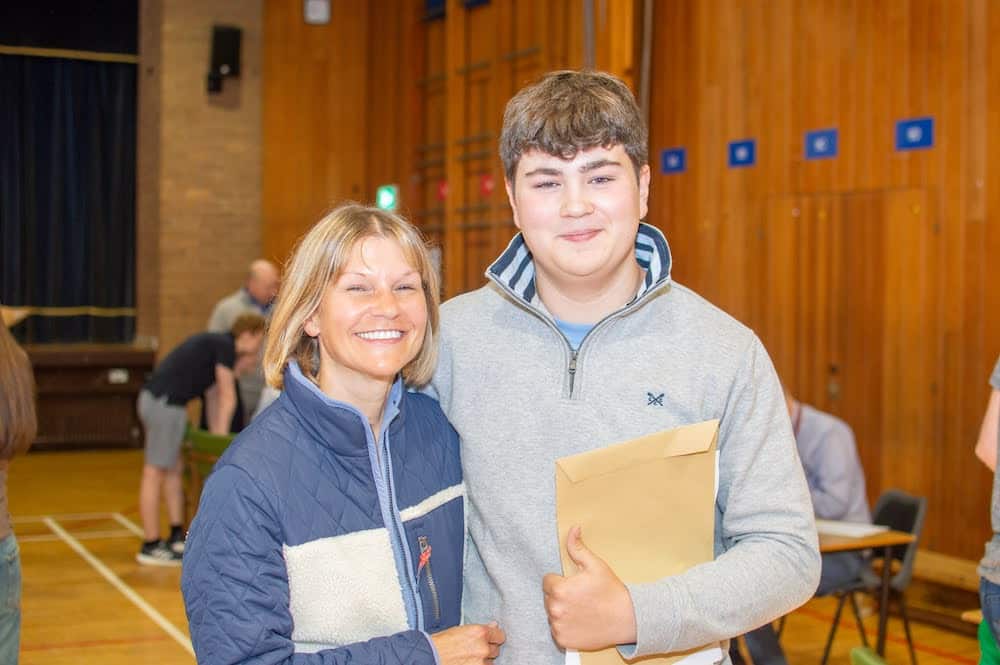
[[899, 511]]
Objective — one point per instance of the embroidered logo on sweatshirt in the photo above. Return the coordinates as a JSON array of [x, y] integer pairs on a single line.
[[654, 400]]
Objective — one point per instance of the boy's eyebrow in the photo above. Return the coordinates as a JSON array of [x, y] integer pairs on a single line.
[[543, 170], [585, 168], [598, 163]]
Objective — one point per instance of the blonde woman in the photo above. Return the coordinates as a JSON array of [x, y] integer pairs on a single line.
[[332, 530]]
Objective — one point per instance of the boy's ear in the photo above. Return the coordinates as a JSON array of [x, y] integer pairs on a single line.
[[644, 177], [512, 199]]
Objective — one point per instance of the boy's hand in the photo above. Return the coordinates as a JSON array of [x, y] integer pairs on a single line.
[[592, 608]]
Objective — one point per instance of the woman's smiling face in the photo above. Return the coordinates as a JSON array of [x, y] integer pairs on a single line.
[[372, 318]]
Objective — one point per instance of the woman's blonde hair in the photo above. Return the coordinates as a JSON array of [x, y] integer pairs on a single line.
[[320, 258], [18, 424]]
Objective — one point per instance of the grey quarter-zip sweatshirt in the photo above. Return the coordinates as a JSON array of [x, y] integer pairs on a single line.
[[520, 398]]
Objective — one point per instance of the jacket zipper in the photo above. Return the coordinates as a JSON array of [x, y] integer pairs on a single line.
[[399, 541], [425, 562]]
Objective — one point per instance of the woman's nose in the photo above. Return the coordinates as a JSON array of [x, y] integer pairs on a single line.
[[386, 303]]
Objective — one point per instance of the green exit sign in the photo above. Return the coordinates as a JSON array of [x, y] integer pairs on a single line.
[[387, 197]]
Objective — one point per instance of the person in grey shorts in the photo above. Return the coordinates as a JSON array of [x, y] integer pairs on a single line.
[[205, 365]]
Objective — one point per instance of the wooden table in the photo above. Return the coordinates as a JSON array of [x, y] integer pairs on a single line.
[[884, 540]]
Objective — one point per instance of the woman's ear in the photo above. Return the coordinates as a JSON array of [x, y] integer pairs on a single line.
[[311, 326]]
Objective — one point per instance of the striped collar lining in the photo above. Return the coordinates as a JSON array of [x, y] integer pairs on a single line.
[[515, 269]]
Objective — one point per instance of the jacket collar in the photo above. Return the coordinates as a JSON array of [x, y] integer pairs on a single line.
[[339, 425], [515, 269]]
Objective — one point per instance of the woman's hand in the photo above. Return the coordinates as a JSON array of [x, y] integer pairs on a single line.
[[474, 644]]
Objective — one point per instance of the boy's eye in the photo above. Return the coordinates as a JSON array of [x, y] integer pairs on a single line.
[[601, 179], [545, 184]]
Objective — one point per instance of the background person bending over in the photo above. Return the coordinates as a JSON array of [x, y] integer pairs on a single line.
[[204, 365], [579, 324]]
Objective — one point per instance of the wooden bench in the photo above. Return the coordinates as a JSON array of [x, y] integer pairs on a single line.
[[946, 570], [944, 588]]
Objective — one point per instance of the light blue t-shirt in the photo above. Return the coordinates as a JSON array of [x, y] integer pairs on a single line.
[[575, 332]]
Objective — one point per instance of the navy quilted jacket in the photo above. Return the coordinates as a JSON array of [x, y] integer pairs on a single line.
[[313, 543]]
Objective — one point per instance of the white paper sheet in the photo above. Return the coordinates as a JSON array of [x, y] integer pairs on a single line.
[[708, 656], [848, 529]]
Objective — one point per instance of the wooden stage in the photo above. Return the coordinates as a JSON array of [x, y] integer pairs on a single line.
[[86, 600]]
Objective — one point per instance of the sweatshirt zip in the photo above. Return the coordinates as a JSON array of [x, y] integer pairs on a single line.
[[425, 562], [571, 368]]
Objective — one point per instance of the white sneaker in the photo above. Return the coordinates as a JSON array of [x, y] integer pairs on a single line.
[[176, 545], [158, 554]]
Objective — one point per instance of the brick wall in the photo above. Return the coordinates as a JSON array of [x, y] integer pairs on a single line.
[[199, 165]]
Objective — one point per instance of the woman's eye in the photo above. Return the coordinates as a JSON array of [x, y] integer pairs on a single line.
[[356, 288], [407, 287]]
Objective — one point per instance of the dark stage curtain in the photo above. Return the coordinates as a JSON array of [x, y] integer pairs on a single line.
[[67, 197]]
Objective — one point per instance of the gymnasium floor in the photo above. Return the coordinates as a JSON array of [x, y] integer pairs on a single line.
[[86, 600]]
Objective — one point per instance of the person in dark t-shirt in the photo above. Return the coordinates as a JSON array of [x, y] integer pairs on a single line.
[[204, 366]]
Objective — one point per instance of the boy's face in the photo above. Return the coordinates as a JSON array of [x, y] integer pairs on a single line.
[[579, 217]]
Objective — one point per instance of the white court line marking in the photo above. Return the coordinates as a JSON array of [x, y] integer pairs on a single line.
[[65, 517], [127, 523], [80, 535], [116, 582]]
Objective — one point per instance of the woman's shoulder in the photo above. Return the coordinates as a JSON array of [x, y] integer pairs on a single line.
[[426, 409], [265, 444]]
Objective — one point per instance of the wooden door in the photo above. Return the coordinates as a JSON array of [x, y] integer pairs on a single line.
[[846, 279]]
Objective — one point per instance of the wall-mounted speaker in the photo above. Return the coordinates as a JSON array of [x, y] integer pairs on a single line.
[[225, 56]]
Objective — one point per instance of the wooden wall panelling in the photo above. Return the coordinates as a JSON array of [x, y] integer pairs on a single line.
[[314, 115], [431, 168], [455, 58], [855, 373], [911, 364], [616, 40], [393, 108], [859, 67]]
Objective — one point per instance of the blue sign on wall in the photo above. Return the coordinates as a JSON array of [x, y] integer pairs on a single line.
[[434, 9], [742, 153], [673, 160], [821, 144], [915, 134]]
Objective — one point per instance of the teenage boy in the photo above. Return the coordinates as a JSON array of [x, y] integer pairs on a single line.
[[581, 340]]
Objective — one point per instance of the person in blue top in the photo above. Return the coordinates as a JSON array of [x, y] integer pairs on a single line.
[[332, 529]]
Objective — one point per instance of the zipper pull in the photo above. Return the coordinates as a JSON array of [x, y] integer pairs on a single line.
[[572, 364], [425, 553]]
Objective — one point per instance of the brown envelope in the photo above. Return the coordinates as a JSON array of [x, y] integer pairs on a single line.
[[646, 506]]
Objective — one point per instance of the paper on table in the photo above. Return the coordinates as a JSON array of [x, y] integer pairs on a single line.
[[647, 507], [848, 529], [708, 656]]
